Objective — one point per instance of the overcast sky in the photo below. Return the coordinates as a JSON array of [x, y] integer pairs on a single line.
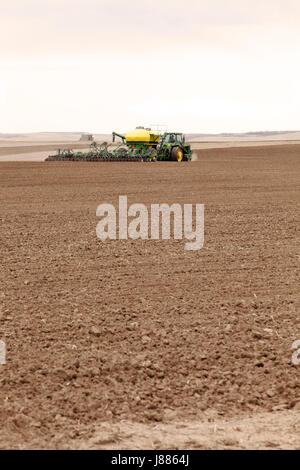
[[195, 66]]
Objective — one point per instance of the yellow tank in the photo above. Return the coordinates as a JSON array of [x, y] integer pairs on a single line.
[[141, 135]]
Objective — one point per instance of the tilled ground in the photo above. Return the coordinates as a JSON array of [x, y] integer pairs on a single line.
[[144, 331]]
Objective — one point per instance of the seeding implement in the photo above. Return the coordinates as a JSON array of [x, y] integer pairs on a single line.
[[140, 145]]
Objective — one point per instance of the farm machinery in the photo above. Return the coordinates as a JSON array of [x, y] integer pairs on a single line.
[[140, 145]]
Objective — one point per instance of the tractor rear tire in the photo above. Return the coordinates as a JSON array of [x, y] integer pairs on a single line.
[[177, 154]]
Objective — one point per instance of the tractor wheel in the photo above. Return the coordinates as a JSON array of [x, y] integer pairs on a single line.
[[177, 154]]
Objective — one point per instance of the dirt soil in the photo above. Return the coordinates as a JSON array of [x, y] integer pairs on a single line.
[[127, 344]]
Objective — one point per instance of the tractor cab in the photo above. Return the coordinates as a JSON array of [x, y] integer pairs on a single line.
[[173, 138]]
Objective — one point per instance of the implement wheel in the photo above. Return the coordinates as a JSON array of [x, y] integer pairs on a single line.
[[177, 154], [152, 155]]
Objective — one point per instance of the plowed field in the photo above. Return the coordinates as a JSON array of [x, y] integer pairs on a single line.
[[142, 331]]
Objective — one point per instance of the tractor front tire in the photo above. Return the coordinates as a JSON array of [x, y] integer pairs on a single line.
[[177, 154]]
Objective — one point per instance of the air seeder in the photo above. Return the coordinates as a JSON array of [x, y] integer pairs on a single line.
[[139, 145]]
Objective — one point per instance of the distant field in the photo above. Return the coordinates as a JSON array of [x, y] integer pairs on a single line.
[[193, 137], [247, 137], [34, 151]]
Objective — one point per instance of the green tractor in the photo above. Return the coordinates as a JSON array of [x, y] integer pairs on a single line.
[[141, 144], [173, 147]]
